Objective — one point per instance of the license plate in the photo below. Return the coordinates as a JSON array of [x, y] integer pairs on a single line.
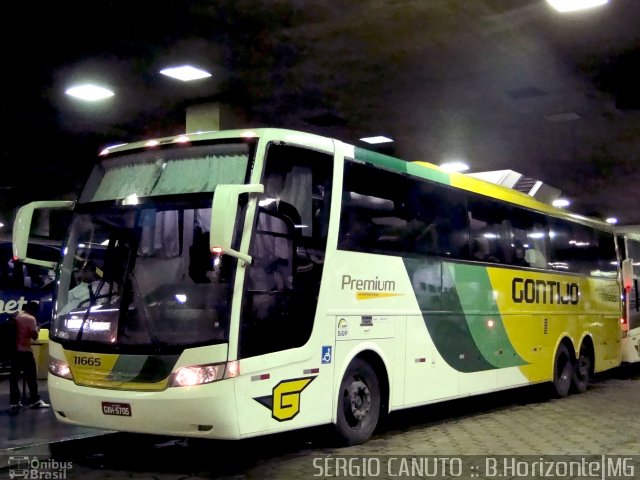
[[119, 409]]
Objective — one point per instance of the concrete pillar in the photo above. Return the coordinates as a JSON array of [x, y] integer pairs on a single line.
[[213, 116]]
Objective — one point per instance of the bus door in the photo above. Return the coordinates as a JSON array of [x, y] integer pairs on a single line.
[[279, 347]]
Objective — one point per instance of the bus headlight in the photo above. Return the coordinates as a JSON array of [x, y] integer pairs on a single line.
[[197, 375], [60, 368]]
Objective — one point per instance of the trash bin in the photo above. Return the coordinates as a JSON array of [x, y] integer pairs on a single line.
[[41, 354]]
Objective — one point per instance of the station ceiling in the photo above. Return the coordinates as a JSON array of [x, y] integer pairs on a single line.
[[501, 84]]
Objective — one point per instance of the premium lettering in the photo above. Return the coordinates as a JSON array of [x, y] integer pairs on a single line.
[[545, 292], [375, 285]]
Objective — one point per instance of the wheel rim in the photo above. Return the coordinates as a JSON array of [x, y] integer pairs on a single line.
[[582, 368], [357, 402], [564, 371]]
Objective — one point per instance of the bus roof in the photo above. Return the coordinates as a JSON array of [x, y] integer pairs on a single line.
[[415, 168], [465, 182]]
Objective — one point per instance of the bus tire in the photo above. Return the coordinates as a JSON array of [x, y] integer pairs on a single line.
[[358, 404], [562, 372], [581, 371]]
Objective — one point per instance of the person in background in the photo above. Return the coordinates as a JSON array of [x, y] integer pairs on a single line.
[[89, 283], [27, 329], [519, 254]]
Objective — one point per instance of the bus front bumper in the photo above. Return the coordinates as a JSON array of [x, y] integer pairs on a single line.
[[205, 411]]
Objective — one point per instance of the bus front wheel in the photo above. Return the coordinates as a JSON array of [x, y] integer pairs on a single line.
[[562, 372], [358, 404]]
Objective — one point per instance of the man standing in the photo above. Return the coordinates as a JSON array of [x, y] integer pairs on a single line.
[[23, 360]]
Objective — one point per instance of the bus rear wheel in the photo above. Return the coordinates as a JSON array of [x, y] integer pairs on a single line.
[[562, 372], [581, 371], [358, 404]]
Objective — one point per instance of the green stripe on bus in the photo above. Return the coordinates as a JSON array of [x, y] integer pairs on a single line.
[[156, 368], [401, 166], [429, 173], [127, 367], [443, 315], [475, 292], [142, 368]]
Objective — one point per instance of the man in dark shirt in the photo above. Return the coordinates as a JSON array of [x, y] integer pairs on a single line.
[[23, 360]]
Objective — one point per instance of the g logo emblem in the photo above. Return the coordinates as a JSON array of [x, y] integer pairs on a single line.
[[284, 401]]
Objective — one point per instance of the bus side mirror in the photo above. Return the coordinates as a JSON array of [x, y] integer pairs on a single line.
[[22, 229], [627, 274], [223, 218]]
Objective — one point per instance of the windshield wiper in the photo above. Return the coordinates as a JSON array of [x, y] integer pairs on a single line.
[[92, 302], [142, 307]]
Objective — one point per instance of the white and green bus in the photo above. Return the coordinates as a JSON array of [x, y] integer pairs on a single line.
[[247, 283], [629, 247]]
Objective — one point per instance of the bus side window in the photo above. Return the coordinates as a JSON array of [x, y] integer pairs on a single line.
[[288, 249], [355, 231]]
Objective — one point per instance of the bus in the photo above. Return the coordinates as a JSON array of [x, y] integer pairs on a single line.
[[629, 247], [19, 284], [260, 281]]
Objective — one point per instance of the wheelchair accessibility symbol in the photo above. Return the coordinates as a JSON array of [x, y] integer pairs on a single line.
[[326, 354]]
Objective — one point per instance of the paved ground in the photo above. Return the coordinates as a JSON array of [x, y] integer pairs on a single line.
[[521, 425], [32, 427]]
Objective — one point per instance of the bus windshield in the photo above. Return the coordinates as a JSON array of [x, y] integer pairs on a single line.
[[137, 274], [141, 278]]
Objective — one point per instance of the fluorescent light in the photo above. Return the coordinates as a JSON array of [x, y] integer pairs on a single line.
[[376, 140], [185, 73], [612, 220], [454, 166], [89, 92], [561, 202], [573, 5]]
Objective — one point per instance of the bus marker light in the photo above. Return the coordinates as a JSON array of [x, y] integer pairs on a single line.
[[264, 376], [490, 323], [216, 250]]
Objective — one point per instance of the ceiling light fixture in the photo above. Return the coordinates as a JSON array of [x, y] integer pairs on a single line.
[[186, 73], [561, 202], [89, 92], [454, 166], [573, 5], [376, 140]]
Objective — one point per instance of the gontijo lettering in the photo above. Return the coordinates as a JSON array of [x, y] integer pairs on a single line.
[[376, 285], [528, 290]]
